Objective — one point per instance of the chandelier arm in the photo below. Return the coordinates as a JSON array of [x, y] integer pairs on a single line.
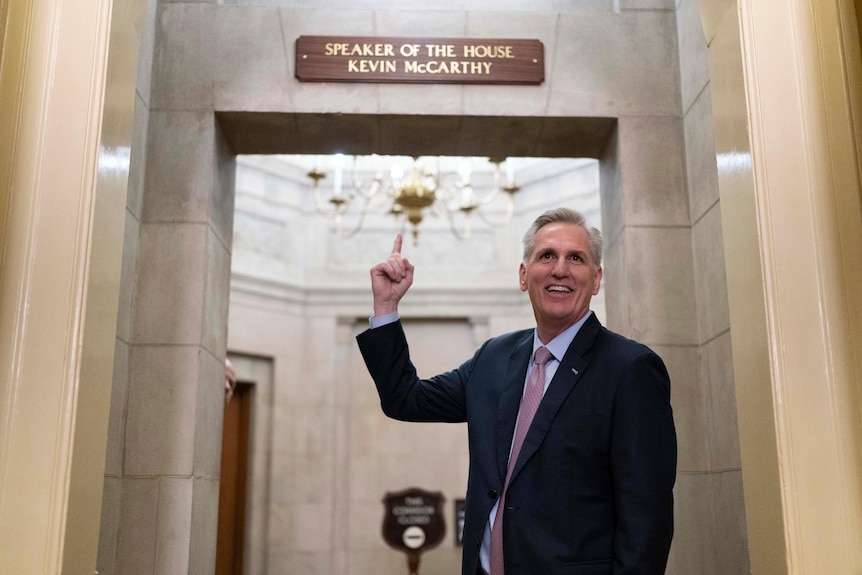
[[321, 209], [507, 219], [373, 188], [495, 191], [455, 231], [446, 202], [452, 200], [362, 213], [484, 201]]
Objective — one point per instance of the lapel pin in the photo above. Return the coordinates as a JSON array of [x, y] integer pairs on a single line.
[[575, 371]]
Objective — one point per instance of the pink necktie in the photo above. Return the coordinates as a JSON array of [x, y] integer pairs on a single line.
[[529, 405]]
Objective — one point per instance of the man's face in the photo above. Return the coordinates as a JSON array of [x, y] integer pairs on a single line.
[[561, 277]]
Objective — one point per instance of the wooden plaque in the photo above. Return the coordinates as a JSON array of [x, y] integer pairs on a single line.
[[419, 60], [413, 520]]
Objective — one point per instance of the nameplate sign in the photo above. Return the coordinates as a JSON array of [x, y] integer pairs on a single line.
[[419, 60]]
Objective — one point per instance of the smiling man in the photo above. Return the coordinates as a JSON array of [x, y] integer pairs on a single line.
[[571, 434]]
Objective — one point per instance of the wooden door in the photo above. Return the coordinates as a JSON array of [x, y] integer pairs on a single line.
[[234, 474]]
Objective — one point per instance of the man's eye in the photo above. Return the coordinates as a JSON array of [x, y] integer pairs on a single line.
[[545, 256]]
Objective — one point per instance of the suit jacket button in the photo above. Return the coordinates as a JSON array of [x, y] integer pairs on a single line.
[[492, 494]]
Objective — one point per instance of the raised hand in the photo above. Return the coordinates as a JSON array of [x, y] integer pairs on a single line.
[[390, 280]]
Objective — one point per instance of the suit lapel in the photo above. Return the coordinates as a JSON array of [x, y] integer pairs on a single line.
[[510, 400], [568, 374]]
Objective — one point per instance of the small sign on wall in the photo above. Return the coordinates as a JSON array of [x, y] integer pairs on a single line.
[[413, 523], [419, 60], [460, 506]]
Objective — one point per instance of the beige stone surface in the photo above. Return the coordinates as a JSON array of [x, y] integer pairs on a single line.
[[722, 416], [614, 282], [701, 171], [216, 296], [138, 157], [636, 74], [662, 302], [221, 199], [208, 414], [125, 306], [183, 57], [648, 4], [109, 523], [693, 550], [251, 68], [138, 526], [689, 399], [710, 276], [116, 421], [160, 425], [652, 172], [147, 30], [169, 301], [611, 194], [180, 167], [693, 53], [731, 534], [174, 527], [202, 544]]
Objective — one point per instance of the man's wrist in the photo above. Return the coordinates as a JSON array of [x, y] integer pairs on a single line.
[[384, 308], [381, 320]]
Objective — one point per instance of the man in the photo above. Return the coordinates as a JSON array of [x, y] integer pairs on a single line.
[[588, 488]]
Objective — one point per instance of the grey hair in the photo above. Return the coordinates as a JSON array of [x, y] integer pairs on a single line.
[[565, 216]]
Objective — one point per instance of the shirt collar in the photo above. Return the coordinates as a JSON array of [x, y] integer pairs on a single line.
[[561, 343]]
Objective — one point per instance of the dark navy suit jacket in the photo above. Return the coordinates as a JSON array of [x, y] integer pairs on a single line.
[[592, 490]]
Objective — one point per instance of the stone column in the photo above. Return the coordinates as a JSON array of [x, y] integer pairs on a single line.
[[169, 503]]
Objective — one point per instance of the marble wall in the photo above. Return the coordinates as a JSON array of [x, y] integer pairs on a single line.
[[710, 476], [637, 61]]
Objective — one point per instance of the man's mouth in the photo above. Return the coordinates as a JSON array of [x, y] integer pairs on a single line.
[[563, 289]]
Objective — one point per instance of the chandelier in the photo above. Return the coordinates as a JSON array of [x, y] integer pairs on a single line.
[[409, 195]]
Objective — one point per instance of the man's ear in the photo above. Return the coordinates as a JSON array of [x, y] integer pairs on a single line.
[[522, 277], [597, 281]]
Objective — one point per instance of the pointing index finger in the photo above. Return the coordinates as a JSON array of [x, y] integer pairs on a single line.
[[396, 249]]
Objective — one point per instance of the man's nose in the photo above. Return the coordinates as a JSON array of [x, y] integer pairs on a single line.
[[561, 268]]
